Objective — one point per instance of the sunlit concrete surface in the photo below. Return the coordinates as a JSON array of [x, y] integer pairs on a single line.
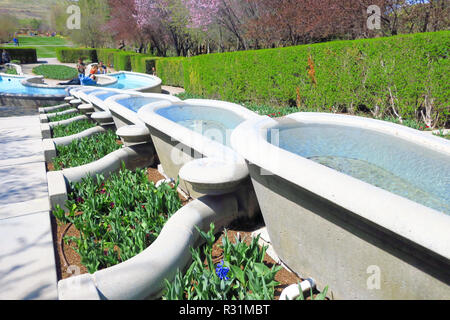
[[27, 261], [27, 258]]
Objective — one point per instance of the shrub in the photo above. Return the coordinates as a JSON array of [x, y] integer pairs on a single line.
[[71, 55], [24, 55], [171, 71], [11, 70], [143, 63], [383, 76], [107, 56], [62, 109], [58, 72], [122, 60]]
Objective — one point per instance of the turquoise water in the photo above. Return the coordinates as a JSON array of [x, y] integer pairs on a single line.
[[214, 123], [87, 90], [124, 81], [14, 86], [105, 96], [396, 165], [131, 81], [135, 103]]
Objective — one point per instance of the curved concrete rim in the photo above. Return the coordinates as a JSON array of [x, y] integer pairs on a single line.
[[81, 92], [195, 140], [94, 100], [130, 115], [15, 66], [157, 81], [142, 276], [212, 171], [157, 84], [381, 207], [25, 82]]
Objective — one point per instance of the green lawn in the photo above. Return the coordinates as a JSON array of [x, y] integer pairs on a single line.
[[51, 71], [45, 46]]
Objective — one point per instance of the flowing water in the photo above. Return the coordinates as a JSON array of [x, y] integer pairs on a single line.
[[388, 162], [214, 123]]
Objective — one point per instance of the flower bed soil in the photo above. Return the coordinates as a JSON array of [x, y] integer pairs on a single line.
[[65, 253], [244, 231], [67, 256]]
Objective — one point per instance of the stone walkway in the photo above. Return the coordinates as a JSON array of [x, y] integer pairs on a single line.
[[27, 258]]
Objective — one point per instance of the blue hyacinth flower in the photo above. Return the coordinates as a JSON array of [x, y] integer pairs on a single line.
[[222, 271]]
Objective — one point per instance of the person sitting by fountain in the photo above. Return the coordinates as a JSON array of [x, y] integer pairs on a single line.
[[81, 79], [5, 57], [90, 80], [102, 68], [81, 67], [75, 81], [94, 70]]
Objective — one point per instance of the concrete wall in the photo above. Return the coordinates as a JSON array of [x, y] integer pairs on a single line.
[[120, 121], [172, 160], [354, 257], [32, 102], [166, 150]]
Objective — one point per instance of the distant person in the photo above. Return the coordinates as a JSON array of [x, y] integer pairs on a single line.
[[81, 67], [90, 80], [74, 81], [16, 41], [121, 45], [81, 79], [5, 57], [94, 70], [102, 68], [153, 71]]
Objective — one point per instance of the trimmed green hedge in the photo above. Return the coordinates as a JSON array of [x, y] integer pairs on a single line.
[[122, 60], [143, 63], [171, 70], [113, 58], [24, 55], [71, 55], [107, 56], [339, 76]]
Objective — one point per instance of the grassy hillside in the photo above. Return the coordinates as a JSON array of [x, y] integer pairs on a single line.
[[45, 46], [25, 9]]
